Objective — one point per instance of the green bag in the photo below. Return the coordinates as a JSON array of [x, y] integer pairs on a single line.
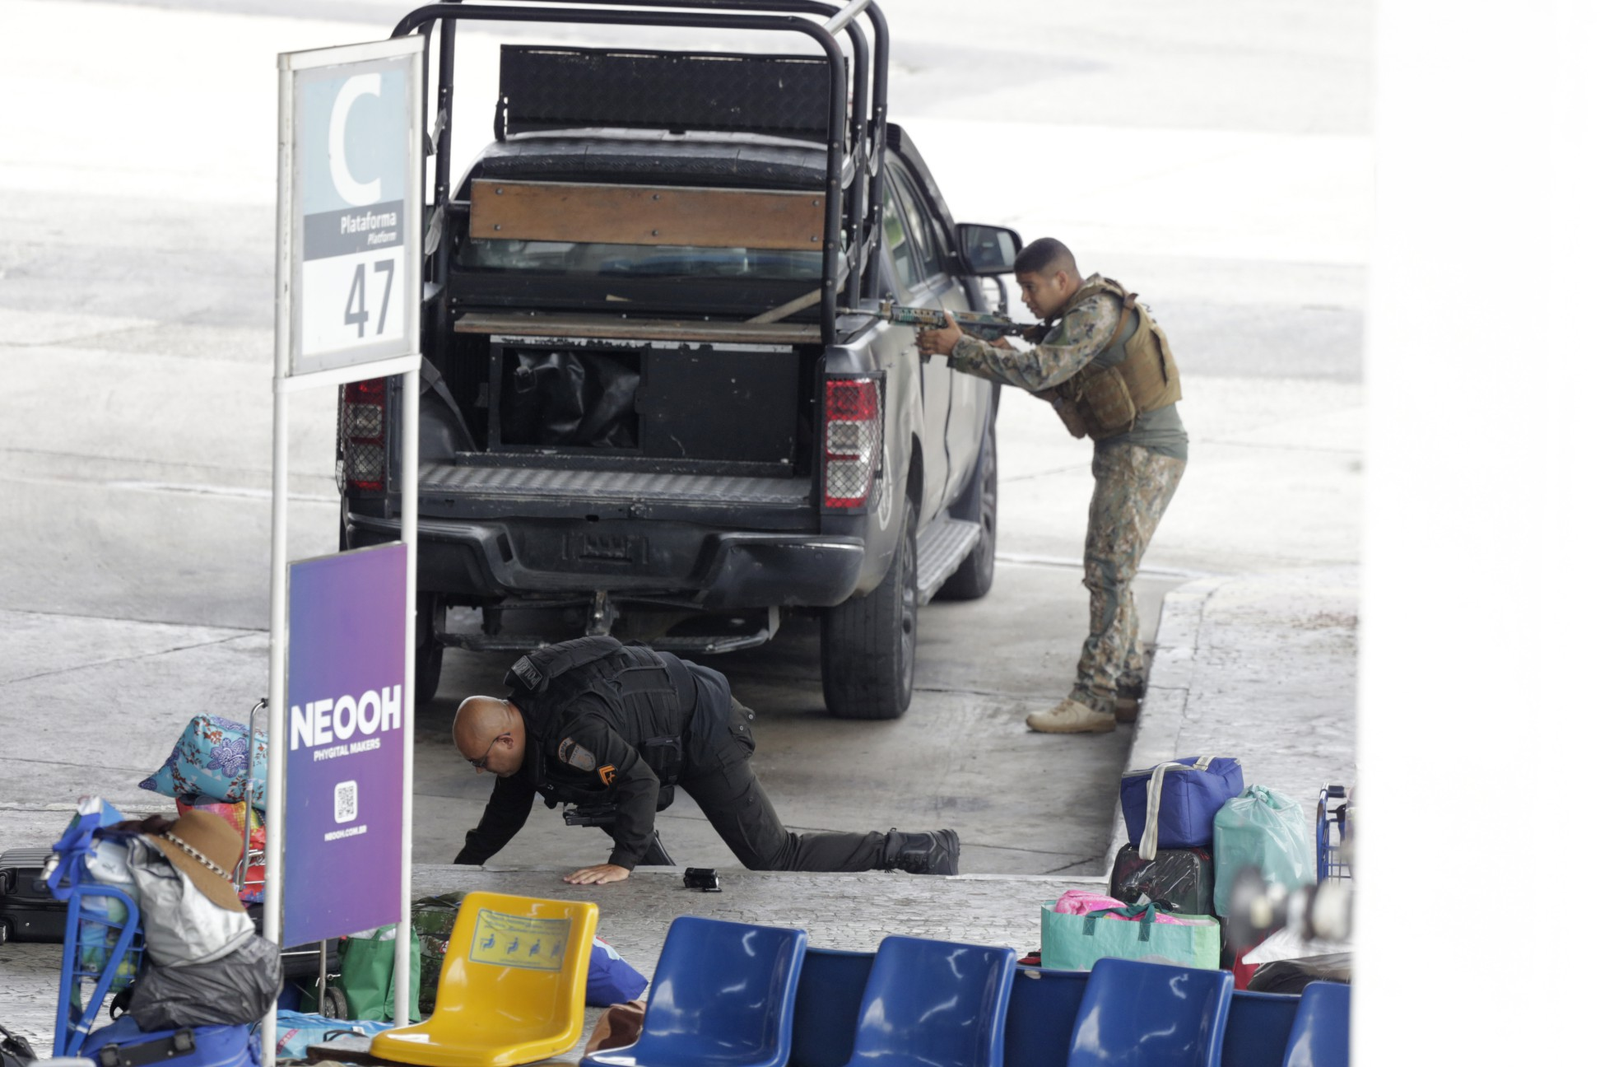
[[366, 974], [1265, 830], [1074, 942], [432, 920]]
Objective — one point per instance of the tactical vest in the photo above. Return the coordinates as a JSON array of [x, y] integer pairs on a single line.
[[630, 680], [1133, 374]]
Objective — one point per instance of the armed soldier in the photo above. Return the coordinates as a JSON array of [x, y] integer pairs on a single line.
[[594, 721], [1107, 369]]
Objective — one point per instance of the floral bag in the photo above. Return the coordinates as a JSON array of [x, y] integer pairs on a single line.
[[214, 758]]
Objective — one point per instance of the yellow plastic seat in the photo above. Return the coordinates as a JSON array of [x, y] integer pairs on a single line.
[[511, 988]]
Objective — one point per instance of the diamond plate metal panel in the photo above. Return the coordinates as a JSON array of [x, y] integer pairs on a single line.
[[611, 485], [545, 88]]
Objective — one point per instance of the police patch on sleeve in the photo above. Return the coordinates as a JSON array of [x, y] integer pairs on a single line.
[[571, 752]]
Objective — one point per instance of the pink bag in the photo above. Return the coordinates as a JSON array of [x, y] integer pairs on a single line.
[[1083, 901]]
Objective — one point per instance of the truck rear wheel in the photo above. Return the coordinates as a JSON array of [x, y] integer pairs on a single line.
[[869, 643]]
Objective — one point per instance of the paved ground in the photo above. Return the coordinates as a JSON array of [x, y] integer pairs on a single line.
[[1258, 667]]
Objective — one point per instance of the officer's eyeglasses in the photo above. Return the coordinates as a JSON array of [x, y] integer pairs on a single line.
[[482, 762]]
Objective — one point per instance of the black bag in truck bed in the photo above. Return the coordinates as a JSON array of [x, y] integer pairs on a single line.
[[734, 404]]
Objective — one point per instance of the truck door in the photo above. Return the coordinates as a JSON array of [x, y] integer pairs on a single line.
[[945, 461]]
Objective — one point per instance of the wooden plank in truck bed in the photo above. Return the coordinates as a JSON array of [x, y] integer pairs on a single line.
[[612, 327], [647, 215]]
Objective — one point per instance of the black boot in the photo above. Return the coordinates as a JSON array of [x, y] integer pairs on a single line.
[[926, 853]]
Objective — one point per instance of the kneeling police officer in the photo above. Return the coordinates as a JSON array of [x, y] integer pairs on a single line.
[[593, 721]]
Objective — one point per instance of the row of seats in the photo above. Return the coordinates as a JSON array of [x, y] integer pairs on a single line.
[[737, 995]]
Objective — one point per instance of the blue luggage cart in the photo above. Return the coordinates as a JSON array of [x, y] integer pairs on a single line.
[[103, 945], [1333, 835]]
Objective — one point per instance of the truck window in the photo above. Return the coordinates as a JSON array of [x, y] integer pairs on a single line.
[[583, 259], [898, 241], [926, 245]]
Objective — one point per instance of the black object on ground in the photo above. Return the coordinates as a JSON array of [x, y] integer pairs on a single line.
[[27, 910]]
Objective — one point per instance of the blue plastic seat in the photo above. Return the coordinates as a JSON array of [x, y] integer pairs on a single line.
[[1044, 1005], [934, 1004], [1258, 1028], [826, 1006], [722, 996], [1321, 1033], [1140, 1014]]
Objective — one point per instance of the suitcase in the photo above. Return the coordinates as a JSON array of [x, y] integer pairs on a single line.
[[27, 910], [123, 1044], [1178, 879]]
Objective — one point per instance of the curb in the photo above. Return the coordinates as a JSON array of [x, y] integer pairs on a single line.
[[1166, 698]]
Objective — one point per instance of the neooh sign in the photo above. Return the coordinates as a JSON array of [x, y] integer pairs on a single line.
[[346, 740]]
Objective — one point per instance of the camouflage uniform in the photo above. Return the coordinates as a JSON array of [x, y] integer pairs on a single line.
[[1135, 475]]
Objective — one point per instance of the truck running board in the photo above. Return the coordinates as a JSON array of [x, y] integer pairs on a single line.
[[940, 549]]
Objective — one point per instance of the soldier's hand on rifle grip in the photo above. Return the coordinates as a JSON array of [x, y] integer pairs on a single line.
[[939, 341], [1036, 333]]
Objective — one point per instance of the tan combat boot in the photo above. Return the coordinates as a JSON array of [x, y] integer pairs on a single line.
[[1071, 717]]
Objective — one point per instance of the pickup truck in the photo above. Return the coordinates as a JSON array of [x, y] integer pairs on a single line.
[[661, 400]]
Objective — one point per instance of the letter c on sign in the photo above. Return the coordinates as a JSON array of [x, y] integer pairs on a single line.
[[357, 194]]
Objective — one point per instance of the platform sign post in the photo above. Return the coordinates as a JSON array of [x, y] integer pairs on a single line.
[[340, 661]]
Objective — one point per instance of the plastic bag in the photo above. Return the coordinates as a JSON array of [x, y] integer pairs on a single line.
[[1083, 901], [432, 920], [299, 1030], [235, 990], [181, 924], [366, 974], [1178, 879], [15, 1051], [1263, 829]]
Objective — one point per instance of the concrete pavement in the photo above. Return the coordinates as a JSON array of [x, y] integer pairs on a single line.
[[1260, 667]]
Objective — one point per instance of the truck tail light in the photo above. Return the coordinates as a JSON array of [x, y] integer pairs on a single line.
[[361, 431], [850, 443]]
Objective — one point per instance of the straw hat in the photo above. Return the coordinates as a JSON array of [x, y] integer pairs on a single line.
[[204, 847]]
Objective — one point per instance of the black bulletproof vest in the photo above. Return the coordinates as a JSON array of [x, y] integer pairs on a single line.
[[649, 700]]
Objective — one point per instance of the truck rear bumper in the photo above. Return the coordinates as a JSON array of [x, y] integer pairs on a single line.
[[707, 570]]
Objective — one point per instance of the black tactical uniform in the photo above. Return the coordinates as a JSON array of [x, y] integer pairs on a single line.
[[608, 723]]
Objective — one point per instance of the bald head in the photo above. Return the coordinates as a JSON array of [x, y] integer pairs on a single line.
[[480, 721]]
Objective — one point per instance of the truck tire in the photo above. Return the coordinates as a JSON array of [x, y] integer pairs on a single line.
[[869, 643], [973, 578], [430, 653]]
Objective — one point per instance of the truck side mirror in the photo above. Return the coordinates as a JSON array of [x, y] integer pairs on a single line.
[[987, 250]]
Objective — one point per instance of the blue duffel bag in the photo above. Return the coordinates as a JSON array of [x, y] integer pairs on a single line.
[[123, 1044], [1172, 804]]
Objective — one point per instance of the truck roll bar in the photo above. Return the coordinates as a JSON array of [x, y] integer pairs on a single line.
[[856, 119]]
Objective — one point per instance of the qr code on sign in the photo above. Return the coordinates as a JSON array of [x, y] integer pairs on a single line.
[[344, 802]]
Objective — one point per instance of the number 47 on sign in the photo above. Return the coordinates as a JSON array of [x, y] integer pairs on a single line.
[[350, 299]]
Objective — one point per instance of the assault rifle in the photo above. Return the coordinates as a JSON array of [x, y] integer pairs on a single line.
[[605, 817], [980, 324]]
